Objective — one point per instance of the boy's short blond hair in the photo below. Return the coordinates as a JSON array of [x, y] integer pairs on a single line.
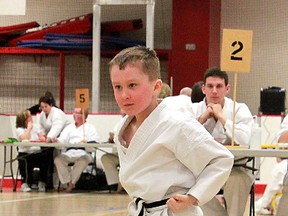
[[138, 54]]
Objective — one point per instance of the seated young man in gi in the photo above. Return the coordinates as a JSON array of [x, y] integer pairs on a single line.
[[215, 113], [75, 133]]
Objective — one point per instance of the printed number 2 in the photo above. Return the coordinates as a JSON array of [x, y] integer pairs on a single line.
[[82, 98], [240, 44]]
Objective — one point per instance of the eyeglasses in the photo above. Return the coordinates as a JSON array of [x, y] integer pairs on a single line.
[[79, 113]]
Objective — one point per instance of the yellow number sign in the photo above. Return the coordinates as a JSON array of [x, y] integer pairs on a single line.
[[82, 98], [236, 50]]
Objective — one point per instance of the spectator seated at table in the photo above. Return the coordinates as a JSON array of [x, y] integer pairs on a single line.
[[186, 91], [282, 137], [111, 165], [197, 93], [78, 132], [30, 157], [215, 113], [265, 204], [52, 121], [36, 108]]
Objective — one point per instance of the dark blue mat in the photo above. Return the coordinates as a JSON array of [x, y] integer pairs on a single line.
[[56, 44]]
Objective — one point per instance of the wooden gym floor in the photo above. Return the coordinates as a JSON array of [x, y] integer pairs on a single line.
[[78, 203], [59, 204]]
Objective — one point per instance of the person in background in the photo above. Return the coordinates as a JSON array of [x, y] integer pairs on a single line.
[[215, 113], [197, 93], [111, 165], [186, 91], [282, 137], [36, 108], [78, 132], [52, 121], [165, 91], [274, 186], [282, 206], [168, 161], [30, 157]]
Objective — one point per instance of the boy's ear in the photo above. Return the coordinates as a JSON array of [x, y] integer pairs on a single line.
[[158, 85]]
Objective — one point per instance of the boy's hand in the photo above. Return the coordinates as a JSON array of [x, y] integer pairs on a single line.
[[179, 202]]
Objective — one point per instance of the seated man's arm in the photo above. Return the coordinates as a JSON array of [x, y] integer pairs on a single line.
[[282, 135], [242, 127]]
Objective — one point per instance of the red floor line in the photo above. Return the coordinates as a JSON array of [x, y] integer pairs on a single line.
[[7, 183]]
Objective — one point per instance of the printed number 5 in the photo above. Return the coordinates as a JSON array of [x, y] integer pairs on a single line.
[[82, 98], [240, 44]]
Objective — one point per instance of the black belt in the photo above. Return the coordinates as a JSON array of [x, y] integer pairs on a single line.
[[150, 205], [75, 148]]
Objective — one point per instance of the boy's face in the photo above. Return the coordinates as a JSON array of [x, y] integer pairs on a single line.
[[133, 91], [215, 90]]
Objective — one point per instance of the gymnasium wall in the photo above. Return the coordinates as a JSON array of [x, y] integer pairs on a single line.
[[268, 21], [24, 78]]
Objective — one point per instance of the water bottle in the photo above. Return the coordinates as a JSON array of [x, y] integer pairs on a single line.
[[255, 139]]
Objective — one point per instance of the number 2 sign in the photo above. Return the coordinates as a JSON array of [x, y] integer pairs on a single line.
[[236, 50], [82, 98]]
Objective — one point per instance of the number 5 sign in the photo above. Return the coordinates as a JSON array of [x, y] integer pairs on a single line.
[[236, 50], [82, 98]]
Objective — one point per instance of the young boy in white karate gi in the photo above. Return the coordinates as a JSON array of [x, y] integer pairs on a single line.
[[169, 163]]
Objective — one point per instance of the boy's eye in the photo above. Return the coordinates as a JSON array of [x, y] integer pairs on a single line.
[[117, 87], [132, 85]]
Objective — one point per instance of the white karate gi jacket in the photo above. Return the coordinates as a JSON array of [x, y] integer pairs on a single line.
[[283, 127], [54, 123], [33, 136], [71, 134], [275, 184], [180, 103], [243, 122], [171, 153]]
